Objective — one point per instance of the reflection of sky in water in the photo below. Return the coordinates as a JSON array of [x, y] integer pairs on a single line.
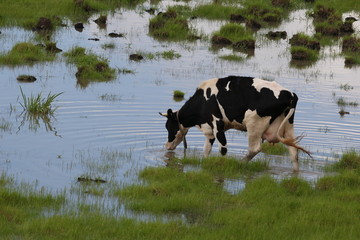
[[131, 125]]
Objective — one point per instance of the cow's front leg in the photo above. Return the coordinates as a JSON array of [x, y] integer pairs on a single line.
[[220, 136], [208, 144], [219, 132]]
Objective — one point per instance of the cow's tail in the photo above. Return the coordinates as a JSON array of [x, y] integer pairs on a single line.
[[292, 142]]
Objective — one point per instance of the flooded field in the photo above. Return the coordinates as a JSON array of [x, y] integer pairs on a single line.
[[111, 130]]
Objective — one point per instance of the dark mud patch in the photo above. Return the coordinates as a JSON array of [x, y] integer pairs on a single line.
[[276, 35], [26, 78], [136, 57]]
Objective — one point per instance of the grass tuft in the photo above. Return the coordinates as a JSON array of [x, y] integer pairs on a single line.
[[90, 66], [25, 53], [39, 105], [171, 26]]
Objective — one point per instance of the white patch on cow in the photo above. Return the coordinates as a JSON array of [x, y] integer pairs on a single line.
[[273, 86], [227, 86], [206, 129], [209, 84]]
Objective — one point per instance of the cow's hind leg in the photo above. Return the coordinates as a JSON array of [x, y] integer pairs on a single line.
[[254, 147], [256, 126], [289, 133]]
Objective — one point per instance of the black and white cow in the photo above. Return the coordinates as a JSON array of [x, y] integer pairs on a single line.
[[264, 109]]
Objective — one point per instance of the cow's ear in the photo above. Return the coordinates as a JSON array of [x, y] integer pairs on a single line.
[[171, 114]]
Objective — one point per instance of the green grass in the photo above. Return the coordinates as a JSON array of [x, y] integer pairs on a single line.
[[234, 32], [19, 206], [178, 94], [90, 66], [170, 55], [273, 149], [38, 104], [25, 53]]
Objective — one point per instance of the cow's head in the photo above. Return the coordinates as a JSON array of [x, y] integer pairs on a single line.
[[176, 133]]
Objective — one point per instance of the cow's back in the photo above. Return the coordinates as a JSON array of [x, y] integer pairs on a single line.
[[236, 95]]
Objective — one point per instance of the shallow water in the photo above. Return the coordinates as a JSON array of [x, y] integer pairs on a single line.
[[112, 130]]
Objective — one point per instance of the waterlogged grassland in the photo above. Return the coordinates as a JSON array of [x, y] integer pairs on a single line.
[[291, 208], [13, 13]]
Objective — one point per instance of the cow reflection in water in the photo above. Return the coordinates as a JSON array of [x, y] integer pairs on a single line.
[[264, 109]]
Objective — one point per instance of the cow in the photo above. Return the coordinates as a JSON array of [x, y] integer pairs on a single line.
[[262, 108]]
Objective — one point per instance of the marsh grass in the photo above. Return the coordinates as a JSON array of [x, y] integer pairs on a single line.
[[300, 53], [90, 66], [234, 32], [290, 208], [38, 104], [284, 209], [167, 55], [171, 26], [178, 94], [215, 11], [25, 53], [13, 13], [232, 58]]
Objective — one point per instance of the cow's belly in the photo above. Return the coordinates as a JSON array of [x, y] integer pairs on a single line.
[[235, 125]]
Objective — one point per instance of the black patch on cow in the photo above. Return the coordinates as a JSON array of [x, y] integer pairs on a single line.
[[243, 96], [212, 141], [223, 151], [208, 92], [199, 110], [236, 95]]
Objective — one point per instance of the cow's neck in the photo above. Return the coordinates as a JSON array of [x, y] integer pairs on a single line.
[[190, 114]]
